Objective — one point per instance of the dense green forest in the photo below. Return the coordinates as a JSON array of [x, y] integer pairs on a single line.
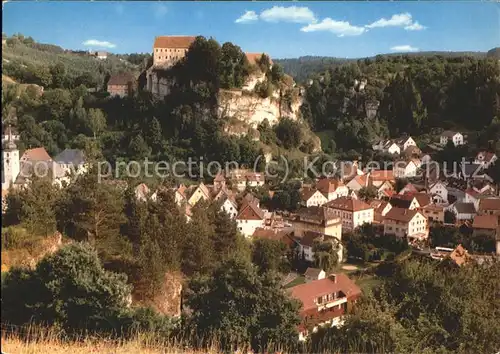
[[303, 68]]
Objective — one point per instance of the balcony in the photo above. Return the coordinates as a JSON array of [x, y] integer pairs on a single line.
[[332, 303]]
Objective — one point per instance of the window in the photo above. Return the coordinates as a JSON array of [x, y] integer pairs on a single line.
[[319, 300]]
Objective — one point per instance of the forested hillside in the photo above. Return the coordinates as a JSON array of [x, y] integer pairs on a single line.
[[53, 67], [303, 68], [403, 94]]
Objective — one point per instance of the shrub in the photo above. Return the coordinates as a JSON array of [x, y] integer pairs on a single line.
[[69, 288]]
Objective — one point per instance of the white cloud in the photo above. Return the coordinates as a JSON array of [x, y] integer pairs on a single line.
[[340, 28], [248, 16], [160, 10], [288, 14], [404, 48], [398, 20], [97, 43], [415, 27]]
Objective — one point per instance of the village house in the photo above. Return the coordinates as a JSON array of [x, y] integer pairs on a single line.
[[485, 158], [474, 196], [324, 302], [409, 188], [380, 209], [352, 212], [406, 222], [277, 234], [123, 84], [412, 152], [318, 219], [470, 172], [347, 170], [312, 197], [198, 193], [37, 162], [380, 177], [68, 163], [222, 193], [307, 241], [101, 55], [489, 206], [385, 190], [332, 188], [404, 201], [485, 224], [254, 179], [405, 142], [249, 218], [405, 169], [250, 198], [230, 207], [312, 274], [219, 182], [423, 199], [241, 179], [433, 213], [395, 147], [455, 137], [358, 182], [439, 192], [463, 211], [387, 146]]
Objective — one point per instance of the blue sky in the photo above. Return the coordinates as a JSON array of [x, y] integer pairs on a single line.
[[282, 29]]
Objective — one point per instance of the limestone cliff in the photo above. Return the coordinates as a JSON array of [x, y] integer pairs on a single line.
[[249, 108]]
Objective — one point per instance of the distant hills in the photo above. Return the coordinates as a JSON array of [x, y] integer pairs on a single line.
[[494, 53], [303, 67]]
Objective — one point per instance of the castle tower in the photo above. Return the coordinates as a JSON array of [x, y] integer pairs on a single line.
[[10, 161]]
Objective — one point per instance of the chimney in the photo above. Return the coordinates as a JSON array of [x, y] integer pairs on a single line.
[[333, 278]]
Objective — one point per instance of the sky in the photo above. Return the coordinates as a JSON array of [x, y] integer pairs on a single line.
[[281, 29]]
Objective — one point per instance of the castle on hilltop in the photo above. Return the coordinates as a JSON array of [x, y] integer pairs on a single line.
[[167, 51]]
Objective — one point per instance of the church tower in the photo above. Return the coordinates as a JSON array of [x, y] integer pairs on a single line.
[[10, 161]]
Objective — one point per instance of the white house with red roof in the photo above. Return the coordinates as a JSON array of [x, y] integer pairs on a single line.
[[249, 218], [439, 189], [352, 212], [229, 206], [358, 182], [312, 197], [406, 222], [405, 169], [332, 188], [325, 302]]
